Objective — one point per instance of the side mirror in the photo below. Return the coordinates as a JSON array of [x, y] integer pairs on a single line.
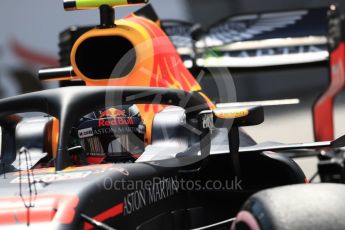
[[238, 116], [8, 126], [232, 117]]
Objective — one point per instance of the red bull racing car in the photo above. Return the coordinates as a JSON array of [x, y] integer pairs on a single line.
[[138, 145]]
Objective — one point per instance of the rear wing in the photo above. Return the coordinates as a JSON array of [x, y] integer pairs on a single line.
[[255, 40], [274, 39]]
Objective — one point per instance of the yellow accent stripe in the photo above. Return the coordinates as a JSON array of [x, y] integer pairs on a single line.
[[90, 4], [230, 113]]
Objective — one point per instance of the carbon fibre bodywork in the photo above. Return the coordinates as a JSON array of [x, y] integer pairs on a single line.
[[116, 194], [146, 194]]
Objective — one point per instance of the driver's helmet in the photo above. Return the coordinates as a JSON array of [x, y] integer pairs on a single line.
[[112, 134]]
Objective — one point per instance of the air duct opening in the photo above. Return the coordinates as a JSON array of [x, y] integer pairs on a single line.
[[105, 57]]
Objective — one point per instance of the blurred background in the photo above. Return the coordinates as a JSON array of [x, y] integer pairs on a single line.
[[30, 34]]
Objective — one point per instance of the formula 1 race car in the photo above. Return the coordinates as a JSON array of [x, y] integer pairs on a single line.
[[138, 145]]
